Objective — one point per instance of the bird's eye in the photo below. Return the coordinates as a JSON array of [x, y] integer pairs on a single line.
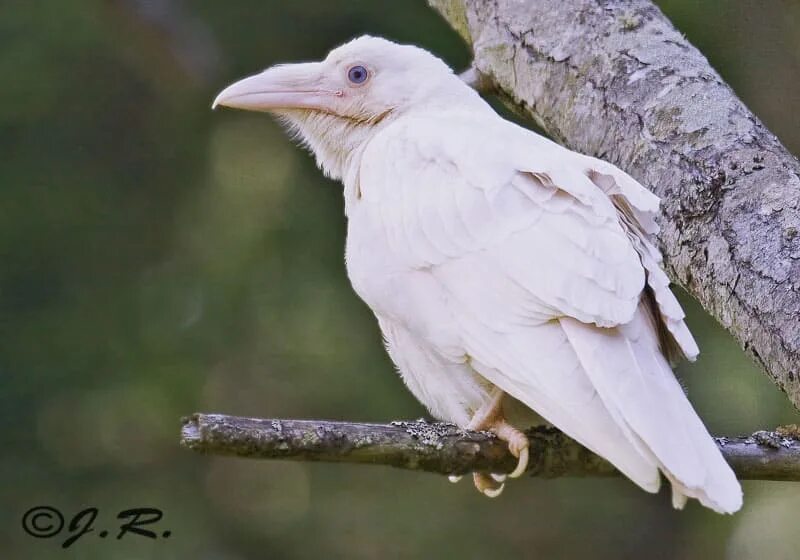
[[357, 74]]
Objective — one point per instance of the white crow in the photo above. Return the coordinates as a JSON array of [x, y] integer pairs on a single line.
[[502, 267]]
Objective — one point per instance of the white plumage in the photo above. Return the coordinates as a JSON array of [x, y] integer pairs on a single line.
[[495, 259]]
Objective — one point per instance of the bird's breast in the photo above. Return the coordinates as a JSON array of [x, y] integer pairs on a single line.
[[410, 296], [373, 269]]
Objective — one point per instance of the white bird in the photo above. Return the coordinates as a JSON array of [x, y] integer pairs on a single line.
[[502, 267]]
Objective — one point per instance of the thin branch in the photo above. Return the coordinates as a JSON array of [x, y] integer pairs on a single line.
[[446, 449]]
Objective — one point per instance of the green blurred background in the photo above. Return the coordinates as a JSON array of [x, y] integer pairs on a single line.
[[160, 259]]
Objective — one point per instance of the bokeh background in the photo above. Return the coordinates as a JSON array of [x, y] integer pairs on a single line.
[[160, 259]]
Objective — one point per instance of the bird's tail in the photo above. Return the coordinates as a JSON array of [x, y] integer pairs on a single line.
[[639, 389]]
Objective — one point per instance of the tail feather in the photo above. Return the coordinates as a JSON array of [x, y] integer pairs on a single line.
[[637, 385], [543, 373]]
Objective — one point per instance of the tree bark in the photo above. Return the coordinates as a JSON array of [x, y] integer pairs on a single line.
[[446, 449], [614, 79]]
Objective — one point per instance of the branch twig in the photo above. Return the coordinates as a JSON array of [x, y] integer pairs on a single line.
[[446, 449]]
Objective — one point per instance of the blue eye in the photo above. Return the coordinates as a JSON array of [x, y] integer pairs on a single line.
[[357, 74]]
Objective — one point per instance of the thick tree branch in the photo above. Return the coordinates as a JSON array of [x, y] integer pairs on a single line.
[[445, 449], [614, 79]]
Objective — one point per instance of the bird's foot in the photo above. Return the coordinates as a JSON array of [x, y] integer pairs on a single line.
[[490, 418], [487, 485], [518, 445]]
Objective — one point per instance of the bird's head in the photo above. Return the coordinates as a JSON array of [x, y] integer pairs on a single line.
[[337, 104]]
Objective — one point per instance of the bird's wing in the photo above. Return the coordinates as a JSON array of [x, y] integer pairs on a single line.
[[636, 212], [533, 211], [583, 224], [542, 257]]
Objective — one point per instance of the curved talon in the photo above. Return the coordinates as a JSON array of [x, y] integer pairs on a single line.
[[454, 478], [522, 464], [493, 493], [486, 485], [499, 477]]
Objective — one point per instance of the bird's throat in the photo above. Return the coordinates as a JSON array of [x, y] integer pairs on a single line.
[[335, 141]]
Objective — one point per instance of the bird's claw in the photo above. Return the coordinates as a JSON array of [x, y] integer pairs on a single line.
[[522, 464], [487, 485], [493, 493]]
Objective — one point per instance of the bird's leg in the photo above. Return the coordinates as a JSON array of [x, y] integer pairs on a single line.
[[488, 412], [489, 417]]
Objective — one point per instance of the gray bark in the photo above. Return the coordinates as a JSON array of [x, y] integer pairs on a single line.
[[614, 79], [446, 449]]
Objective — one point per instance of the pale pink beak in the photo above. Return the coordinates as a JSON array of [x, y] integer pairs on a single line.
[[290, 86]]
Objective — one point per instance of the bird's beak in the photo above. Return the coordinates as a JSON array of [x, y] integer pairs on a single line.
[[290, 86]]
